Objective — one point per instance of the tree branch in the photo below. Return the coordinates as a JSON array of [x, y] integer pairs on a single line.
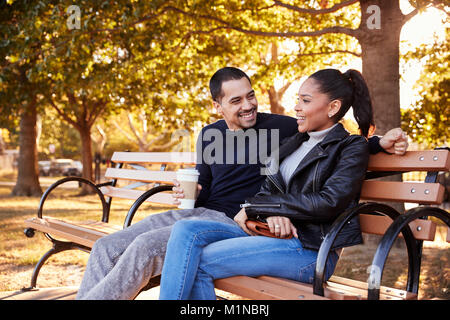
[[410, 15], [62, 114], [330, 52], [334, 8], [229, 26], [128, 136]]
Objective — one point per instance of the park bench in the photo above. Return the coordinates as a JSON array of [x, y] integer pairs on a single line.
[[139, 176], [375, 218]]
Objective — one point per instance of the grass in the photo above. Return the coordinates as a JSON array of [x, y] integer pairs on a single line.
[[19, 254]]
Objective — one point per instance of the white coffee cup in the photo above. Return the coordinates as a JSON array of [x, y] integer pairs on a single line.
[[188, 179]]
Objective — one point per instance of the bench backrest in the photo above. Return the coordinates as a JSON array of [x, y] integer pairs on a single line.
[[136, 172], [426, 192]]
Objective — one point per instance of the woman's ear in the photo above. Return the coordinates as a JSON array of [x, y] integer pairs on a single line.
[[334, 108]]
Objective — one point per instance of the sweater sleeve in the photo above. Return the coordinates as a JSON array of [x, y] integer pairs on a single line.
[[374, 145]]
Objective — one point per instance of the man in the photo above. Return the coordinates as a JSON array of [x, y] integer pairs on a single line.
[[122, 263]]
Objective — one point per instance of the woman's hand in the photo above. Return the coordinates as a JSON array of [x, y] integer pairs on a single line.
[[178, 193], [281, 226], [240, 219]]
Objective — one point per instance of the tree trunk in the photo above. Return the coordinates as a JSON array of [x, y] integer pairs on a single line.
[[380, 61], [275, 101], [86, 157], [27, 183], [380, 49]]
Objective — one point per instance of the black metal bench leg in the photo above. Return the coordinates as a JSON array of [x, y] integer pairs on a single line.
[[58, 246]]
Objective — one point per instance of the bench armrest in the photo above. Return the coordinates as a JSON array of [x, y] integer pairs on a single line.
[[141, 200], [339, 223], [387, 241], [105, 207]]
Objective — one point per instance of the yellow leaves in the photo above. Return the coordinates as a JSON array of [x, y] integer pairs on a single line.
[[12, 59], [88, 69]]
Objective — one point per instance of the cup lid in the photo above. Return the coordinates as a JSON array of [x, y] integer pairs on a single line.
[[188, 171]]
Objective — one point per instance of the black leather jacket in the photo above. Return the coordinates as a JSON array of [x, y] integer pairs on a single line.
[[326, 182]]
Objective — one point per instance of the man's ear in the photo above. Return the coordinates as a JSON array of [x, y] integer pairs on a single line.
[[218, 107], [334, 108]]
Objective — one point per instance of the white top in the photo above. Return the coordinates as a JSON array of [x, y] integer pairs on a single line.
[[291, 162]]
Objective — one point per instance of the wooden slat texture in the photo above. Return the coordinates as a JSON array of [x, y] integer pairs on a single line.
[[392, 293], [328, 293], [448, 234], [337, 288], [253, 288], [421, 229], [429, 160], [141, 175], [159, 198], [187, 158], [72, 231], [423, 193]]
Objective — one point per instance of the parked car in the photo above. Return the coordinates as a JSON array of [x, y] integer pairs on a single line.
[[44, 168], [75, 169], [59, 166]]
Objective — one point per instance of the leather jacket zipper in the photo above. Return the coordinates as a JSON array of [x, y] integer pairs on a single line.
[[265, 205], [322, 232], [315, 177], [275, 183]]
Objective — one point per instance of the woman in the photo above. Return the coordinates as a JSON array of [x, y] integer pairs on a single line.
[[321, 172]]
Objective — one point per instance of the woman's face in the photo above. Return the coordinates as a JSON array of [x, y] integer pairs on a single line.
[[314, 109]]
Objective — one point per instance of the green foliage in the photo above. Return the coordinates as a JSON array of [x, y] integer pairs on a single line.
[[59, 133], [428, 121], [158, 55]]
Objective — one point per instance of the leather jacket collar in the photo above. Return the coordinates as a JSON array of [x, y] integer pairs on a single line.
[[338, 133]]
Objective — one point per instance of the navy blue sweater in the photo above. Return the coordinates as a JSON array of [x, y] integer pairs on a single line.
[[231, 172]]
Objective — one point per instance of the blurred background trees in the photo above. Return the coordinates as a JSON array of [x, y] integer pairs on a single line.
[[126, 75]]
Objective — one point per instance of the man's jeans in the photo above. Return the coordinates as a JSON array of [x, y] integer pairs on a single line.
[[198, 252], [121, 263]]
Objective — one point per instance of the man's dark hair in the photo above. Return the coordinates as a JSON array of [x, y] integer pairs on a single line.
[[222, 75]]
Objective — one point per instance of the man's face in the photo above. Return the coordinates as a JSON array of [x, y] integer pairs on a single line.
[[238, 105]]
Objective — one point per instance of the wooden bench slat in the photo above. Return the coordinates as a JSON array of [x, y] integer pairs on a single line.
[[159, 198], [421, 229], [187, 158], [336, 288], [328, 293], [69, 231], [429, 160], [253, 288], [141, 175], [423, 193], [386, 291]]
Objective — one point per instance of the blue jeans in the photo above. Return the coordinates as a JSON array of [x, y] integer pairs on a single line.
[[198, 252]]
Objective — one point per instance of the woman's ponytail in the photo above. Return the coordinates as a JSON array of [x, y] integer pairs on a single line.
[[362, 104], [351, 89]]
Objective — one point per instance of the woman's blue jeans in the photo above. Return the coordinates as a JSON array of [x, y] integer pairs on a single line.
[[198, 252]]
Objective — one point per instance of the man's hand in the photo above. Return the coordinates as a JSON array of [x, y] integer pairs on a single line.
[[395, 141], [179, 193], [240, 219]]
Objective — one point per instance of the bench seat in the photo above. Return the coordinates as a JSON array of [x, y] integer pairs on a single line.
[[336, 288]]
